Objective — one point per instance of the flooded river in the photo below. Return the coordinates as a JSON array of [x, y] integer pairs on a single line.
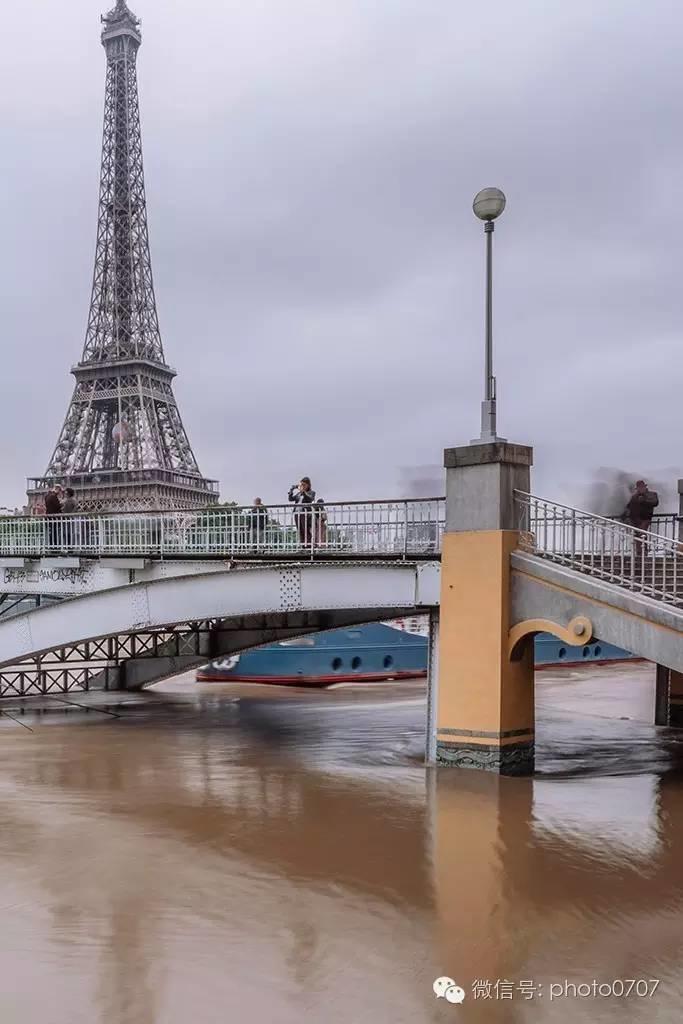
[[227, 854]]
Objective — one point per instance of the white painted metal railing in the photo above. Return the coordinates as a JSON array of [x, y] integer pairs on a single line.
[[649, 562], [392, 528]]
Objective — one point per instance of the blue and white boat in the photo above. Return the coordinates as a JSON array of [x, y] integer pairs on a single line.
[[368, 654], [365, 654]]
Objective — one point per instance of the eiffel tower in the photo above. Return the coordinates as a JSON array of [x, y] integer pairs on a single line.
[[123, 444]]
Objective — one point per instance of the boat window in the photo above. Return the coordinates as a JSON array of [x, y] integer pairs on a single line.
[[562, 653], [300, 641], [388, 661], [337, 664], [356, 663]]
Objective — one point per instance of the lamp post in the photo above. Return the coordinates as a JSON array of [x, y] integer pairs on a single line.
[[488, 205]]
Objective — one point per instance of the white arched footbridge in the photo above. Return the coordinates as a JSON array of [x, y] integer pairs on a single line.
[[132, 635], [142, 596]]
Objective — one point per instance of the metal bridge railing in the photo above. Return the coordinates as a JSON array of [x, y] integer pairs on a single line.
[[392, 528], [648, 562]]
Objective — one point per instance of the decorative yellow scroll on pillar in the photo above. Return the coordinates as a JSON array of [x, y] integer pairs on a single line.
[[578, 632]]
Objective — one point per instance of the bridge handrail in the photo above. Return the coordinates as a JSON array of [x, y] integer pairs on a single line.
[[673, 517], [524, 498], [639, 560], [402, 527], [200, 510]]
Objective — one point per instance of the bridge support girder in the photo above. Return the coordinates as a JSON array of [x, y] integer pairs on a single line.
[[669, 697], [485, 702], [133, 661]]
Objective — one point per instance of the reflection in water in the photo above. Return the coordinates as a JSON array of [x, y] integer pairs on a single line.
[[217, 853]]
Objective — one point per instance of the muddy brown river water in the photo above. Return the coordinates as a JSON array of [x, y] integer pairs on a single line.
[[214, 854]]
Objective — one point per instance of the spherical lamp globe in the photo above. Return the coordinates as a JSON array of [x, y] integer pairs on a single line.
[[489, 203]]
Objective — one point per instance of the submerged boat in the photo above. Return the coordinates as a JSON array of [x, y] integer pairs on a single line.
[[367, 654]]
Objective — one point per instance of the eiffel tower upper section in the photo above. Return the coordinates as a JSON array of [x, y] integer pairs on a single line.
[[123, 444]]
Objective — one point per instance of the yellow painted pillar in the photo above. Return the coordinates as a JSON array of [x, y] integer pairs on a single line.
[[484, 701]]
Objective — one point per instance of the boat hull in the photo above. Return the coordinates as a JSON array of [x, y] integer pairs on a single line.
[[370, 654], [550, 652]]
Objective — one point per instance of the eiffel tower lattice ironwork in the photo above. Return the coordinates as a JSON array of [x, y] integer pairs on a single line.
[[123, 444]]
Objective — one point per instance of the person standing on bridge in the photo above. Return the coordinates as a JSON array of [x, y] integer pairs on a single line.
[[53, 507], [641, 508], [70, 501], [319, 523], [258, 521], [68, 508], [303, 495]]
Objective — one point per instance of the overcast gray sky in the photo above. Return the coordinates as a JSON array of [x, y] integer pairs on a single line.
[[310, 171]]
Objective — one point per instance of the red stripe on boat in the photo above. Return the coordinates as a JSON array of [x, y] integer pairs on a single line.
[[338, 677]]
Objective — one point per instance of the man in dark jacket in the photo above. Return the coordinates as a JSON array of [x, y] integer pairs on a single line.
[[639, 513], [258, 521], [641, 507], [53, 507]]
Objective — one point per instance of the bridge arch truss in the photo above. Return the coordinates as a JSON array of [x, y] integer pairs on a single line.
[[134, 635]]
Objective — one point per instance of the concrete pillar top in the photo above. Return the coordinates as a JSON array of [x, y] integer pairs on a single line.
[[495, 452], [481, 480]]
